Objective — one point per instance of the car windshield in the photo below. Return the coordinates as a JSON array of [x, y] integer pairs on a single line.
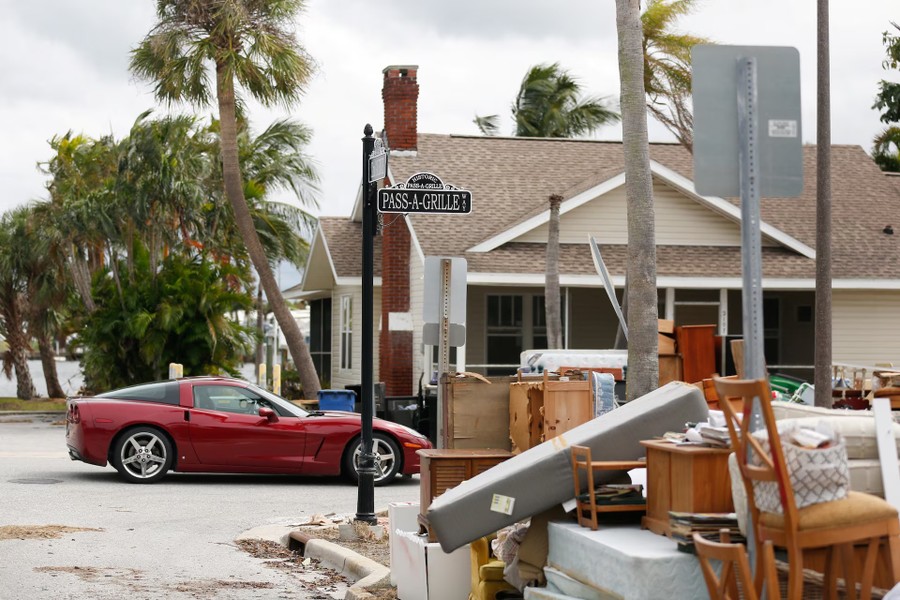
[[278, 401]]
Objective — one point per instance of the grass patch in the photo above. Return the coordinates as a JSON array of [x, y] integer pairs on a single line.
[[38, 404]]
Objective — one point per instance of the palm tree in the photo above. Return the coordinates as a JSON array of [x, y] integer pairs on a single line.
[[13, 312], [550, 104], [667, 67], [47, 289], [643, 361], [886, 149], [551, 288], [248, 42]]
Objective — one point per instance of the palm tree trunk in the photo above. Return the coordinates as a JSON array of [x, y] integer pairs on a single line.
[[18, 349], [260, 327], [551, 287], [822, 373], [231, 170], [48, 362], [643, 358], [81, 277]]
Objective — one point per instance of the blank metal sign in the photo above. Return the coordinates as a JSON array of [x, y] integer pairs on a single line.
[[779, 136]]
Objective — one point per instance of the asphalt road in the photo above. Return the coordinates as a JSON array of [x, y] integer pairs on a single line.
[[173, 539]]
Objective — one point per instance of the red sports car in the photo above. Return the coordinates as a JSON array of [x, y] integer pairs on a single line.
[[222, 425]]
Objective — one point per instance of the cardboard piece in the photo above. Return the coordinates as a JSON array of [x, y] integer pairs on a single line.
[[477, 412], [425, 572], [526, 405]]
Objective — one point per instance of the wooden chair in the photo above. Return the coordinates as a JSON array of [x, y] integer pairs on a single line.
[[836, 526], [736, 569], [586, 511]]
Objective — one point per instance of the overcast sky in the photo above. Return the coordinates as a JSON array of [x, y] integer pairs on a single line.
[[66, 68]]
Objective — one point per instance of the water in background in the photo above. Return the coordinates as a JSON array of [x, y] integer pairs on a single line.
[[70, 377]]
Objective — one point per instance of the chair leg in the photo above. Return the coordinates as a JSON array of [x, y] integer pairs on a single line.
[[795, 573], [893, 549], [832, 560], [867, 578], [849, 571]]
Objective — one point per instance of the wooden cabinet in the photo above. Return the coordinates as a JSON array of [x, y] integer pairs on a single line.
[[697, 346], [447, 468], [685, 478], [543, 409]]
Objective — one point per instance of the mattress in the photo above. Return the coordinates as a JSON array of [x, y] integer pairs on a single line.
[[625, 562], [541, 477]]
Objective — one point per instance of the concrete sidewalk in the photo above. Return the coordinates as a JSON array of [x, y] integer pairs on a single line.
[[364, 572]]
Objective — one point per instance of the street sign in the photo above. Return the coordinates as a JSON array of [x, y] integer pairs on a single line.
[[425, 193], [435, 302], [378, 162], [716, 140]]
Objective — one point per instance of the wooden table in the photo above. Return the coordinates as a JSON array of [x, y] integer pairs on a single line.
[[684, 478]]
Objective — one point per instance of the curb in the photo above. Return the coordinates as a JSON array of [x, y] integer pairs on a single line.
[[32, 413], [366, 572]]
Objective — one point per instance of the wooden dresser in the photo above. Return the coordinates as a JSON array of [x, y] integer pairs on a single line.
[[447, 468]]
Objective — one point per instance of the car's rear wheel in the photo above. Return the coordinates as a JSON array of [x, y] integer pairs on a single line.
[[142, 455], [387, 459]]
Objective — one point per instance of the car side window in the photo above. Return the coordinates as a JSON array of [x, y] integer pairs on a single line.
[[226, 398]]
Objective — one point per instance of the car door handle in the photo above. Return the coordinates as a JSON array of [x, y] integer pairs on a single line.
[[187, 415]]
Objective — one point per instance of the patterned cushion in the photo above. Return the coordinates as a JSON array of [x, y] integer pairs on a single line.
[[816, 475], [855, 509]]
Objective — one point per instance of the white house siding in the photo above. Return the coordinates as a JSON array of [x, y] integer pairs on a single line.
[[865, 330], [680, 221], [343, 377], [416, 300]]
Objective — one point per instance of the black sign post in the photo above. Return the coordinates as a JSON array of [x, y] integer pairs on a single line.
[[365, 503]]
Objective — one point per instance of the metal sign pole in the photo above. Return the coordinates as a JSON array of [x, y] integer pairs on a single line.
[[443, 350], [751, 245], [365, 504], [751, 255]]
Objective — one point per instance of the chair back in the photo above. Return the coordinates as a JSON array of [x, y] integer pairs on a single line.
[[755, 462], [735, 569]]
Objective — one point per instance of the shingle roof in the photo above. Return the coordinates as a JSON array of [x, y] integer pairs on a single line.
[[344, 239], [511, 179]]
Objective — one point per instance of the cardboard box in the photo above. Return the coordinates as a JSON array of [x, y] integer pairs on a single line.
[[477, 413], [402, 516], [666, 344], [425, 572], [665, 326], [669, 368]]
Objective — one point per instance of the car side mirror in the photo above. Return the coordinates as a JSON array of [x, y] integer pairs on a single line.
[[268, 413]]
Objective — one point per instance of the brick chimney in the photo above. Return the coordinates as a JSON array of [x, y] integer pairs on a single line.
[[395, 343], [400, 94]]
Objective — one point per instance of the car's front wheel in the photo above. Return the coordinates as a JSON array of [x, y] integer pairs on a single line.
[[387, 459], [142, 455]]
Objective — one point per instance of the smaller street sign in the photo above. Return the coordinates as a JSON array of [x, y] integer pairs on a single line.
[[425, 193], [378, 162]]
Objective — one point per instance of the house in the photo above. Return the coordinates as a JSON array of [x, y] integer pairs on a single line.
[[504, 243]]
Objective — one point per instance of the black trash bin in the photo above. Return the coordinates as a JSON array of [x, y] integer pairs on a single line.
[[401, 409], [426, 415]]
